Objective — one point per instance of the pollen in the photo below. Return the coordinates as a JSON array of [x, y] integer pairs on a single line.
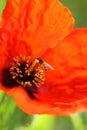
[[27, 72]]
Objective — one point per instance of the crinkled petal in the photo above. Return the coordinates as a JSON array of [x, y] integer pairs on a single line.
[[33, 26], [35, 106], [67, 83], [65, 89], [3, 52]]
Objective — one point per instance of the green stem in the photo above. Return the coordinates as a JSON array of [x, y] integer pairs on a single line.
[[2, 97], [41, 122], [77, 122]]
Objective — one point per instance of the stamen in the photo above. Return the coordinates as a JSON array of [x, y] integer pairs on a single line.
[[32, 66], [28, 73]]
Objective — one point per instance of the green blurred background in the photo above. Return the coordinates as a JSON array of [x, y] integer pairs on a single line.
[[12, 118]]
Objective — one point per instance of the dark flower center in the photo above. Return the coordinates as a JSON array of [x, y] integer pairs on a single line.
[[29, 74]]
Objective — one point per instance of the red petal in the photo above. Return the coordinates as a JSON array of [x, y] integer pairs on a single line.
[[3, 52], [31, 24], [34, 106], [68, 82], [65, 89], [31, 106]]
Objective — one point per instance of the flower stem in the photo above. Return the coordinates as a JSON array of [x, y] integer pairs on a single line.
[[2, 97], [42, 122], [77, 122]]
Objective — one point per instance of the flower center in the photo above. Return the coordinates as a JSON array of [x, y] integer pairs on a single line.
[[27, 72]]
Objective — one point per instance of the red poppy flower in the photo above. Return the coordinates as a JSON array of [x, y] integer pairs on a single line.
[[43, 59]]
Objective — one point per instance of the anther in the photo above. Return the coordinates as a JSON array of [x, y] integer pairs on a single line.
[[27, 72]]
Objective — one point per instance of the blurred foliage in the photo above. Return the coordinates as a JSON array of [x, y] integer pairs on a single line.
[[2, 5], [79, 11], [12, 118]]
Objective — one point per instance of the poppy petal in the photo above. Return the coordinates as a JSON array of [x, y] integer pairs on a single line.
[[65, 89], [31, 106], [31, 24], [2, 49], [35, 106], [67, 83]]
